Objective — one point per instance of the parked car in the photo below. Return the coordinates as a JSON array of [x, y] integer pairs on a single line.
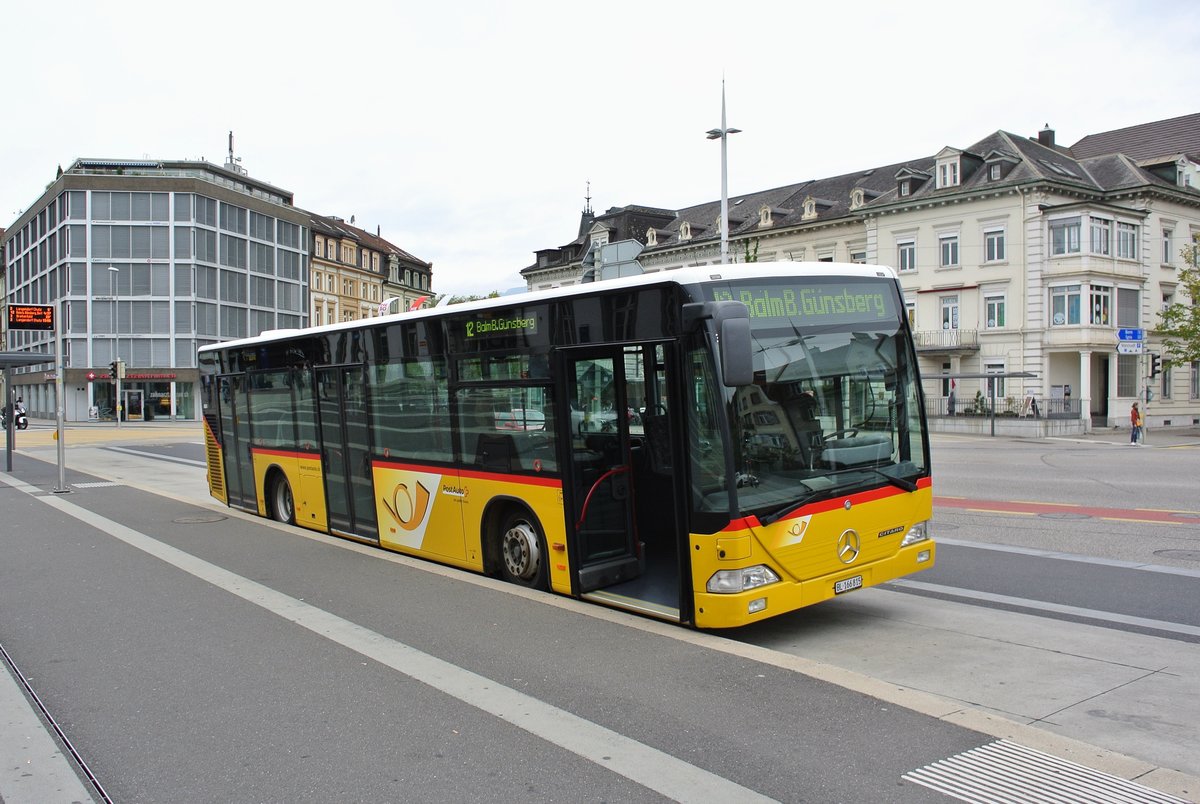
[[519, 419]]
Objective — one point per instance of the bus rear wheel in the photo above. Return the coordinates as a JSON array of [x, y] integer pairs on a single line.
[[283, 505], [522, 551]]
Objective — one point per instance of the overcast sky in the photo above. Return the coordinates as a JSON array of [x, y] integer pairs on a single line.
[[467, 131]]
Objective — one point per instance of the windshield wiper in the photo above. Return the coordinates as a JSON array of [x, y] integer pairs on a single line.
[[786, 508], [783, 510]]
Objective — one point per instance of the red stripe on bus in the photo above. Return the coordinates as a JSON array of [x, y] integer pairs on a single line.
[[283, 453], [829, 505], [527, 480]]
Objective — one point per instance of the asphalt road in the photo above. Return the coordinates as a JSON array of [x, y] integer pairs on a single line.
[[143, 657]]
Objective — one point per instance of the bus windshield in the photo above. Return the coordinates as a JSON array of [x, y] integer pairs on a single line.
[[834, 406]]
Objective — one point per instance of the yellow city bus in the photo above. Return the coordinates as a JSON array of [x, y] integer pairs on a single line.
[[708, 446]]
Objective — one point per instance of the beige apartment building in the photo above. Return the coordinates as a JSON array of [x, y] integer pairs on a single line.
[[1016, 255], [353, 272]]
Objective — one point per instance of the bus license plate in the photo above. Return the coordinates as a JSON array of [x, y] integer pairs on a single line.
[[847, 585]]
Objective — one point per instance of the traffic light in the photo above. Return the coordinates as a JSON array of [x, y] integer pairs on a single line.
[[1155, 365], [112, 369]]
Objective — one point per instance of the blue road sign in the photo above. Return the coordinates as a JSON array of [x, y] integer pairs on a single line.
[[1130, 335]]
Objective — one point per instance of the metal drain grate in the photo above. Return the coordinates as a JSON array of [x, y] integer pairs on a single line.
[[99, 484], [1004, 772]]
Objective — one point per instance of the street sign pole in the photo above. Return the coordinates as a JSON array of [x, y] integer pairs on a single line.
[[61, 366]]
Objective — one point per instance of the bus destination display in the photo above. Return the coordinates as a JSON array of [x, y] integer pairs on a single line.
[[31, 316], [824, 303]]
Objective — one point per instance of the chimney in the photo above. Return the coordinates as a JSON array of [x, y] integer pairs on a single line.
[[1046, 136]]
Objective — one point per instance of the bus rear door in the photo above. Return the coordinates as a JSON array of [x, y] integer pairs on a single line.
[[346, 452], [235, 442]]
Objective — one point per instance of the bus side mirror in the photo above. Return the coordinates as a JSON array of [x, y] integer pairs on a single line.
[[731, 324], [737, 364]]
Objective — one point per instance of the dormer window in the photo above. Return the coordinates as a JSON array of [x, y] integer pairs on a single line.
[[810, 208], [905, 188], [764, 216], [856, 198], [685, 231], [994, 171], [651, 237], [948, 174]]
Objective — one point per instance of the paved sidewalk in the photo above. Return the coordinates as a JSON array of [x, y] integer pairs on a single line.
[[1154, 436], [41, 433]]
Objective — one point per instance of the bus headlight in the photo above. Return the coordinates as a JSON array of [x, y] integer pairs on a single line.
[[729, 582], [917, 533]]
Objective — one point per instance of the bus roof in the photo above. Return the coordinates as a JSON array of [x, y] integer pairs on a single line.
[[695, 275]]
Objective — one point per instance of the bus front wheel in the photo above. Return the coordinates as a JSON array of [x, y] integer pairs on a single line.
[[522, 551], [283, 505]]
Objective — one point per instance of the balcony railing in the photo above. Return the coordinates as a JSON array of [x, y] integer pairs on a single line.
[[947, 340]]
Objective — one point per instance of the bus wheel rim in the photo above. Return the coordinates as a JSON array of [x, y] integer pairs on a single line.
[[520, 549]]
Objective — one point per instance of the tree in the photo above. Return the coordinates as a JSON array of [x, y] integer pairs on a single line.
[[1179, 323]]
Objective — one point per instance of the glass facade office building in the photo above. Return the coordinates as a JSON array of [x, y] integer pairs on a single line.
[[146, 262]]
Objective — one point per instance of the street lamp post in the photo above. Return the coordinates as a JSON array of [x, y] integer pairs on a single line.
[[112, 293], [722, 134]]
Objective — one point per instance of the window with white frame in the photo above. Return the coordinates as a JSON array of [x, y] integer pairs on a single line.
[[994, 305], [320, 246], [1101, 236], [948, 248], [994, 171], [948, 174], [1101, 305], [859, 257], [906, 255], [1168, 251], [1064, 236], [1064, 305], [1127, 375], [994, 249], [910, 307], [950, 312], [1129, 307], [1127, 241], [905, 188], [995, 385]]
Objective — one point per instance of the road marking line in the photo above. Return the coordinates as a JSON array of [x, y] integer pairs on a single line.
[[636, 761], [1040, 553], [1058, 608]]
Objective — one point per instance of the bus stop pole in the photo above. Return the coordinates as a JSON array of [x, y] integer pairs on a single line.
[[10, 424], [60, 365]]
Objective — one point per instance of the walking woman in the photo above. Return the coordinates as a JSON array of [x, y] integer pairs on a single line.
[[1135, 424]]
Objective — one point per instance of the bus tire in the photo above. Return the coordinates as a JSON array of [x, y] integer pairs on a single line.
[[283, 504], [522, 550]]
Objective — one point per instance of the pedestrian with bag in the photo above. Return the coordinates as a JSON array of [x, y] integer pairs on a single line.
[[1135, 424]]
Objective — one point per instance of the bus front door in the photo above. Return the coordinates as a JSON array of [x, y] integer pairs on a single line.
[[346, 452], [601, 511], [624, 496]]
